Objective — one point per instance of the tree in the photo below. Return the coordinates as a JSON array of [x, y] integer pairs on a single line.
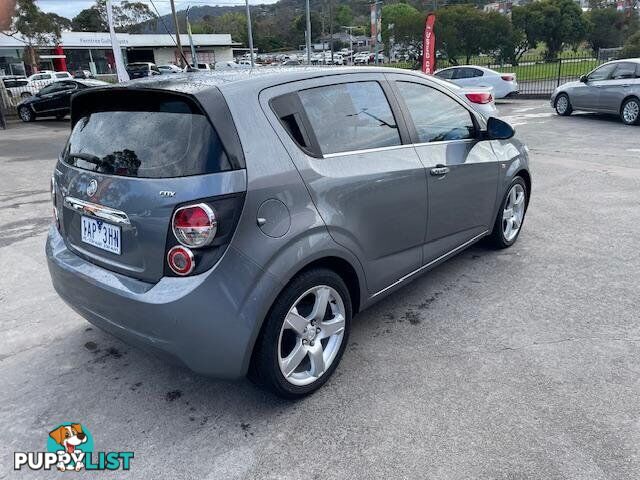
[[557, 23], [343, 16], [459, 32], [631, 47], [36, 28], [608, 27], [63, 23], [404, 25], [127, 17]]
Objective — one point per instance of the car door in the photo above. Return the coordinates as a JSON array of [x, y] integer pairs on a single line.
[[586, 95], [614, 90], [46, 98], [363, 175], [61, 100], [461, 169]]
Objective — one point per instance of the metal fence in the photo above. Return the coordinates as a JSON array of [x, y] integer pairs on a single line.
[[537, 76], [13, 90]]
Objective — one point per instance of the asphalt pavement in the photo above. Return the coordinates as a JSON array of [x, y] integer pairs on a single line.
[[514, 364]]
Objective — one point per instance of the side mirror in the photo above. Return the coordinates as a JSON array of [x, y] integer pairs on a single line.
[[584, 79], [499, 129]]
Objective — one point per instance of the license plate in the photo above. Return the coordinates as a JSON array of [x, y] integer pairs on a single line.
[[101, 235]]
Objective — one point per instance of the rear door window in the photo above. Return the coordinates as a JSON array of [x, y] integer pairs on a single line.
[[168, 138], [350, 116], [445, 74]]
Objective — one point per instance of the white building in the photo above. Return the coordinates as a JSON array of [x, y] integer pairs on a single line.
[[92, 51]]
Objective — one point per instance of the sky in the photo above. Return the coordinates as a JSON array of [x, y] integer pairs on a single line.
[[70, 8]]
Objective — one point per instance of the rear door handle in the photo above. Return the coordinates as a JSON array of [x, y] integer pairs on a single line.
[[439, 170]]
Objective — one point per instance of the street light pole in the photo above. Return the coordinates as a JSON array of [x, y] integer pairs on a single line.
[[194, 56], [250, 32], [175, 20], [308, 39]]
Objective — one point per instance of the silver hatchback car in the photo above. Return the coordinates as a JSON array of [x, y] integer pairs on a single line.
[[237, 221], [613, 87]]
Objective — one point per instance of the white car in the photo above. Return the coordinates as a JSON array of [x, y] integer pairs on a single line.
[[480, 98], [19, 87], [169, 68], [504, 84], [45, 77]]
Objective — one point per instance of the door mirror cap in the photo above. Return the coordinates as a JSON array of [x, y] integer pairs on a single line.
[[499, 129], [584, 79]]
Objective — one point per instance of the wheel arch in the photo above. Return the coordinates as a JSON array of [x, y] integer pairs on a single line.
[[624, 100]]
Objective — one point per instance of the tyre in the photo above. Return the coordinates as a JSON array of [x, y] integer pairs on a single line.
[[513, 208], [563, 105], [26, 114], [60, 116], [25, 95], [630, 111], [304, 335]]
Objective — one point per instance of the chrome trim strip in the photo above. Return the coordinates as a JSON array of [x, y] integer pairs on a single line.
[[367, 150], [395, 147], [451, 252], [98, 211]]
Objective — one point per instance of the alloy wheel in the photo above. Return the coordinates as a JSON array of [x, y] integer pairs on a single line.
[[630, 111], [25, 114], [513, 212], [311, 335], [561, 104]]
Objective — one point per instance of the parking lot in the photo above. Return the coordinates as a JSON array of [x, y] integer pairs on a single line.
[[514, 364]]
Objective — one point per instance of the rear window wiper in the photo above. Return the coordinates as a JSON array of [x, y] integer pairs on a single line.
[[87, 157]]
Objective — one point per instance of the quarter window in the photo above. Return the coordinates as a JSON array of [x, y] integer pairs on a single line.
[[624, 70], [350, 116], [436, 116]]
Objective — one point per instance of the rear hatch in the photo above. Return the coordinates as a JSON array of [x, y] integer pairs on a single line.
[[133, 157]]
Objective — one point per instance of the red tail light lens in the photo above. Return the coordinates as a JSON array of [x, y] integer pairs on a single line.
[[195, 225], [180, 260], [507, 78], [482, 97]]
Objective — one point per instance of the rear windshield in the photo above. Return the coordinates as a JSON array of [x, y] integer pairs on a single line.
[[170, 138]]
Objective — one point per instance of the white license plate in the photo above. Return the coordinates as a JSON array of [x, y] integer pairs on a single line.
[[102, 235]]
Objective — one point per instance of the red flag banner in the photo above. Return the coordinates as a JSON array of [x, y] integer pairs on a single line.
[[429, 45]]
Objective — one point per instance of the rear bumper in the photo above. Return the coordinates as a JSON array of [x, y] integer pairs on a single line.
[[208, 322]]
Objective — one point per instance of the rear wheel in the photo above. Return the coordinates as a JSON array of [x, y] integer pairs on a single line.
[[511, 215], [25, 95], [630, 111], [563, 105], [304, 335], [26, 114]]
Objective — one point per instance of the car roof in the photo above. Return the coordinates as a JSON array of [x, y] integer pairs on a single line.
[[256, 78], [91, 82]]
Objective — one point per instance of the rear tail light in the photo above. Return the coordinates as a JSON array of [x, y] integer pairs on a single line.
[[180, 260], [481, 97], [508, 78], [195, 226]]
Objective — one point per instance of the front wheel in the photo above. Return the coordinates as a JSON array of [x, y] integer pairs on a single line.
[[511, 215], [630, 112], [304, 335], [563, 105], [26, 114]]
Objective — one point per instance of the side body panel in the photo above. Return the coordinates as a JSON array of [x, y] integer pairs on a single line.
[[374, 202]]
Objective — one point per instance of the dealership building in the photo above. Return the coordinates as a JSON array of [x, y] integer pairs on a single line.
[[92, 51]]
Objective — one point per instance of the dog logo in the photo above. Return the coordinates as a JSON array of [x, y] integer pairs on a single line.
[[92, 188], [70, 448], [70, 437]]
